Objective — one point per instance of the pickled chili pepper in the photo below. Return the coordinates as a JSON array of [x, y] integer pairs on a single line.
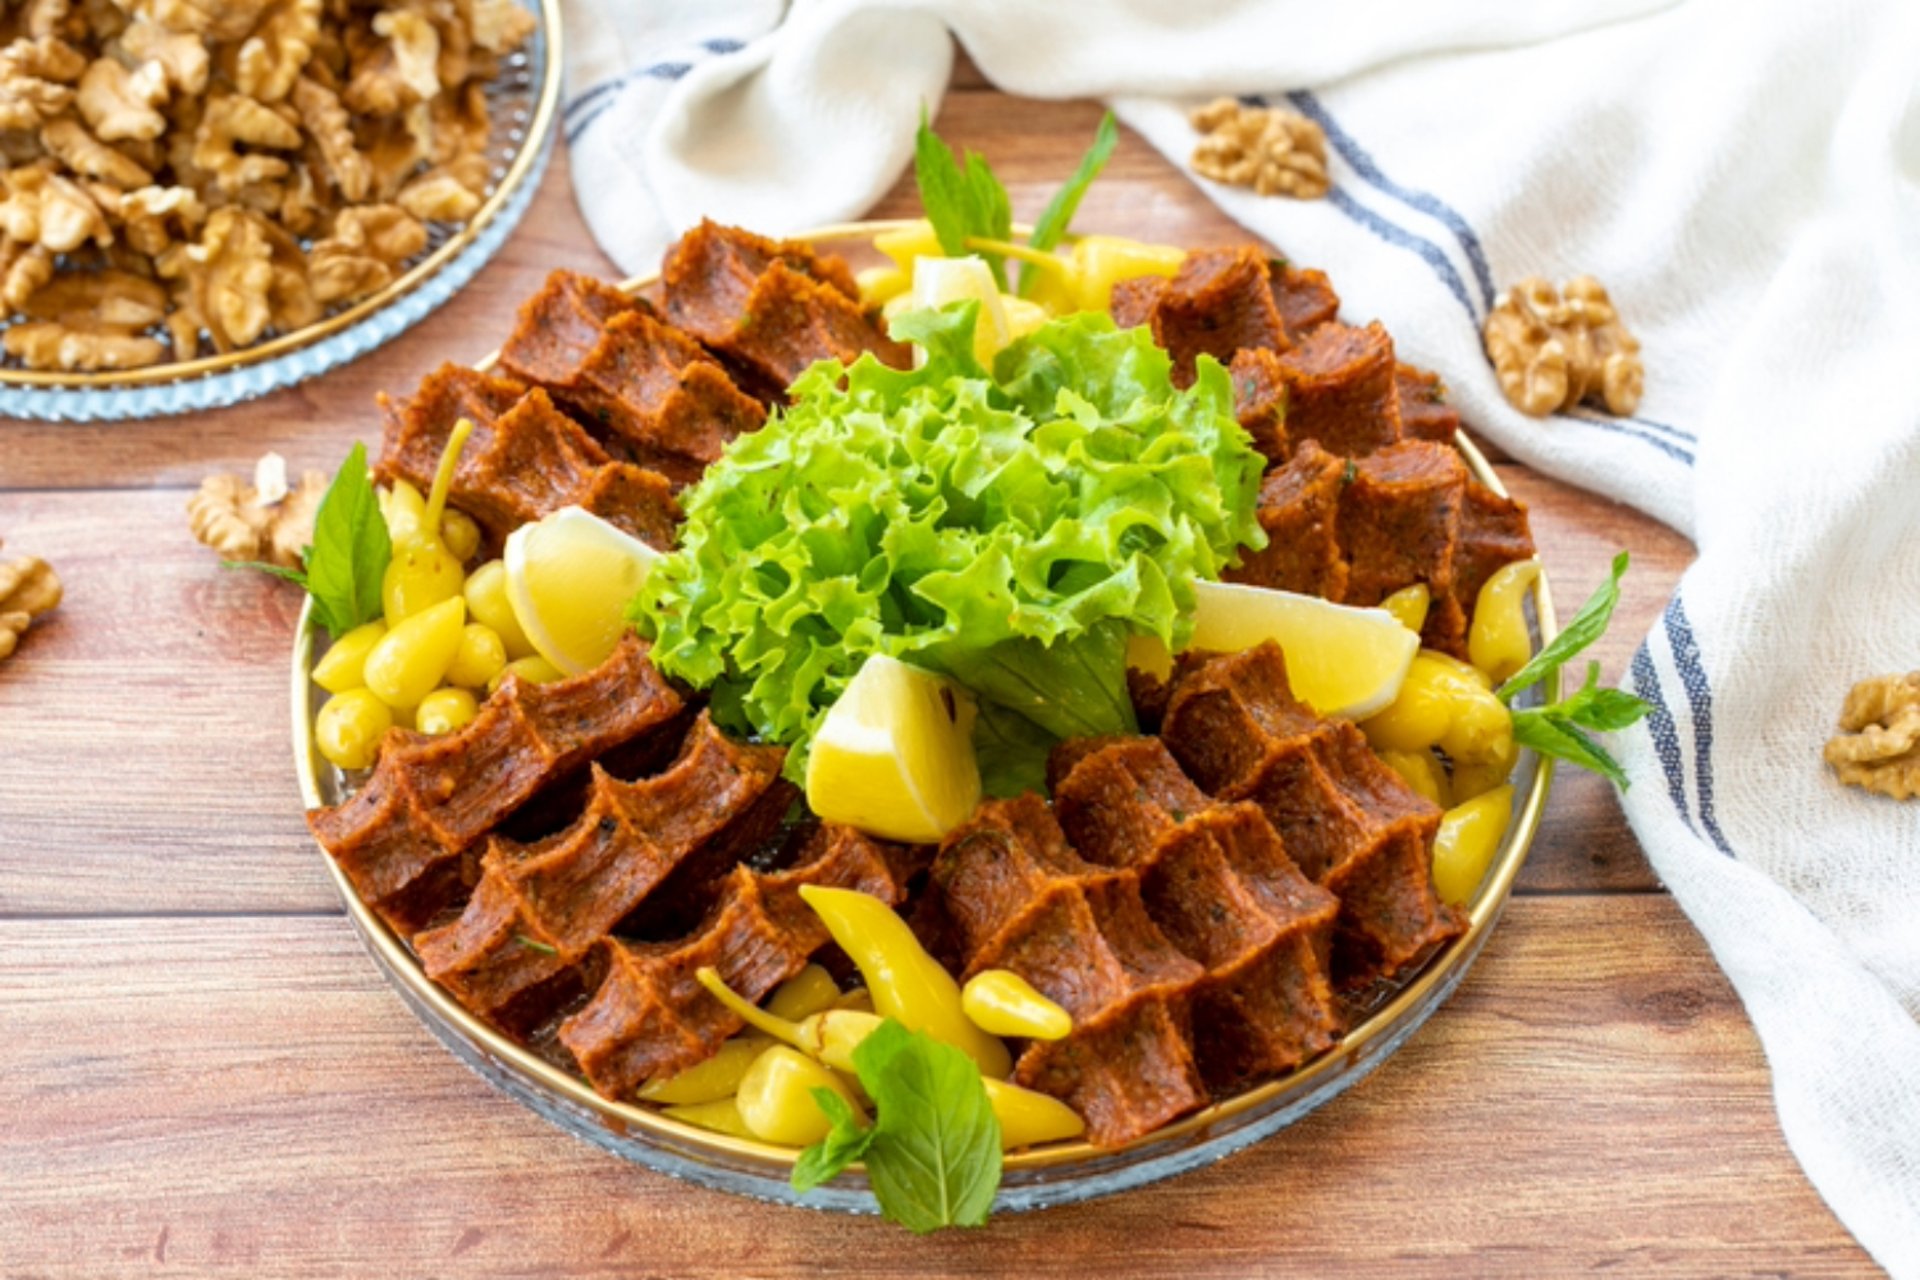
[[1468, 837], [1498, 641], [721, 1116], [1004, 1003], [708, 1081], [776, 1097], [1409, 606], [806, 993], [907, 983], [831, 1036]]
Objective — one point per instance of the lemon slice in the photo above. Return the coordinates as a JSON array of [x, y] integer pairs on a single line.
[[938, 281], [1341, 661], [894, 756], [569, 578]]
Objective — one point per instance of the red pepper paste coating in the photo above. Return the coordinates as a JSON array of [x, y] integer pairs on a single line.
[[1424, 411], [1341, 390], [558, 326], [1351, 824], [539, 908], [1018, 898], [1217, 882], [1216, 304], [525, 459], [403, 838], [1260, 401], [1299, 508], [651, 1018], [1304, 297]]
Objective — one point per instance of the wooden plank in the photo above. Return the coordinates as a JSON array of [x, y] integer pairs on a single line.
[[174, 662], [246, 1097]]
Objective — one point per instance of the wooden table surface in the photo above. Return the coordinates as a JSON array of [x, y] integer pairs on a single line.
[[201, 1073]]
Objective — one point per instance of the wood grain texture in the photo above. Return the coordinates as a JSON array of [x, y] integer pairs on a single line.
[[202, 1074], [280, 1113]]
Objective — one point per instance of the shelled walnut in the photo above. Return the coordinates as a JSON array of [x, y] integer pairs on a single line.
[[1878, 747], [200, 146], [261, 520], [1271, 149], [1553, 348], [28, 588]]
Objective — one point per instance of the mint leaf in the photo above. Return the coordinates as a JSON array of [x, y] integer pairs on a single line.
[[350, 549], [1587, 626], [934, 1160], [1551, 735], [960, 199], [1557, 730], [844, 1144], [1058, 214]]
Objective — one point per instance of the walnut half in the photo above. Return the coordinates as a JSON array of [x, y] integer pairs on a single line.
[[1272, 150], [1553, 348], [1878, 747], [28, 588]]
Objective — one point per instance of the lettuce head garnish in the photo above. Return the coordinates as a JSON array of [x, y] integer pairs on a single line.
[[1009, 529]]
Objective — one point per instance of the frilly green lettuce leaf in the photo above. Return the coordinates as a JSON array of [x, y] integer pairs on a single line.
[[1010, 532]]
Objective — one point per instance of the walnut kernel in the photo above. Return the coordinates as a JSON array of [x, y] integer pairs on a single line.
[[1878, 747], [28, 588], [229, 515], [1552, 349], [1271, 149]]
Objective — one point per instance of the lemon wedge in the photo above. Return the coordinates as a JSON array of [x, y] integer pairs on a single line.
[[569, 577], [1341, 661], [938, 281], [894, 756]]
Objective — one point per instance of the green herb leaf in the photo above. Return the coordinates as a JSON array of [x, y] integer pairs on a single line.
[[294, 576], [534, 944], [1058, 214], [1013, 533], [1587, 626], [1551, 735], [845, 1144], [960, 199], [350, 549], [934, 1158]]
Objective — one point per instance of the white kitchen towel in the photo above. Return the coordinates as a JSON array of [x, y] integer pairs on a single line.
[[1744, 177]]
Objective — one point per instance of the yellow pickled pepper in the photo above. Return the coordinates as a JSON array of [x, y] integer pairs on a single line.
[[1498, 642], [907, 984], [1004, 1003]]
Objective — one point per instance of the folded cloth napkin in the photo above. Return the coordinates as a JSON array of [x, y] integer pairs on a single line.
[[1744, 177]]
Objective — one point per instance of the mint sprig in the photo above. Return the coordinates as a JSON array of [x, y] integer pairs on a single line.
[[343, 568], [1562, 729], [933, 1151], [961, 198], [1054, 219]]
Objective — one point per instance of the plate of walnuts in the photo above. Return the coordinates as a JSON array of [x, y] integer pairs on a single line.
[[204, 202]]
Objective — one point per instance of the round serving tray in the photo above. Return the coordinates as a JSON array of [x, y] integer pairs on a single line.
[[1059, 1173], [523, 101]]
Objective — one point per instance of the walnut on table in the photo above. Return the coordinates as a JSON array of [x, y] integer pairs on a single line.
[[1273, 150], [1554, 348], [28, 588], [1878, 747], [246, 521]]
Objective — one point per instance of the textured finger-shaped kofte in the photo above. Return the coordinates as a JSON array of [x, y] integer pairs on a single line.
[[403, 837], [1219, 885], [1357, 530], [640, 848], [1216, 304], [651, 1017], [1304, 297], [1424, 411], [773, 307], [652, 392], [1348, 821], [1341, 389], [1018, 898], [525, 458], [1260, 401]]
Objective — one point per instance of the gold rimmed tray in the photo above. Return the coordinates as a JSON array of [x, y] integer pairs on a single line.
[[1057, 1173], [524, 103]]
